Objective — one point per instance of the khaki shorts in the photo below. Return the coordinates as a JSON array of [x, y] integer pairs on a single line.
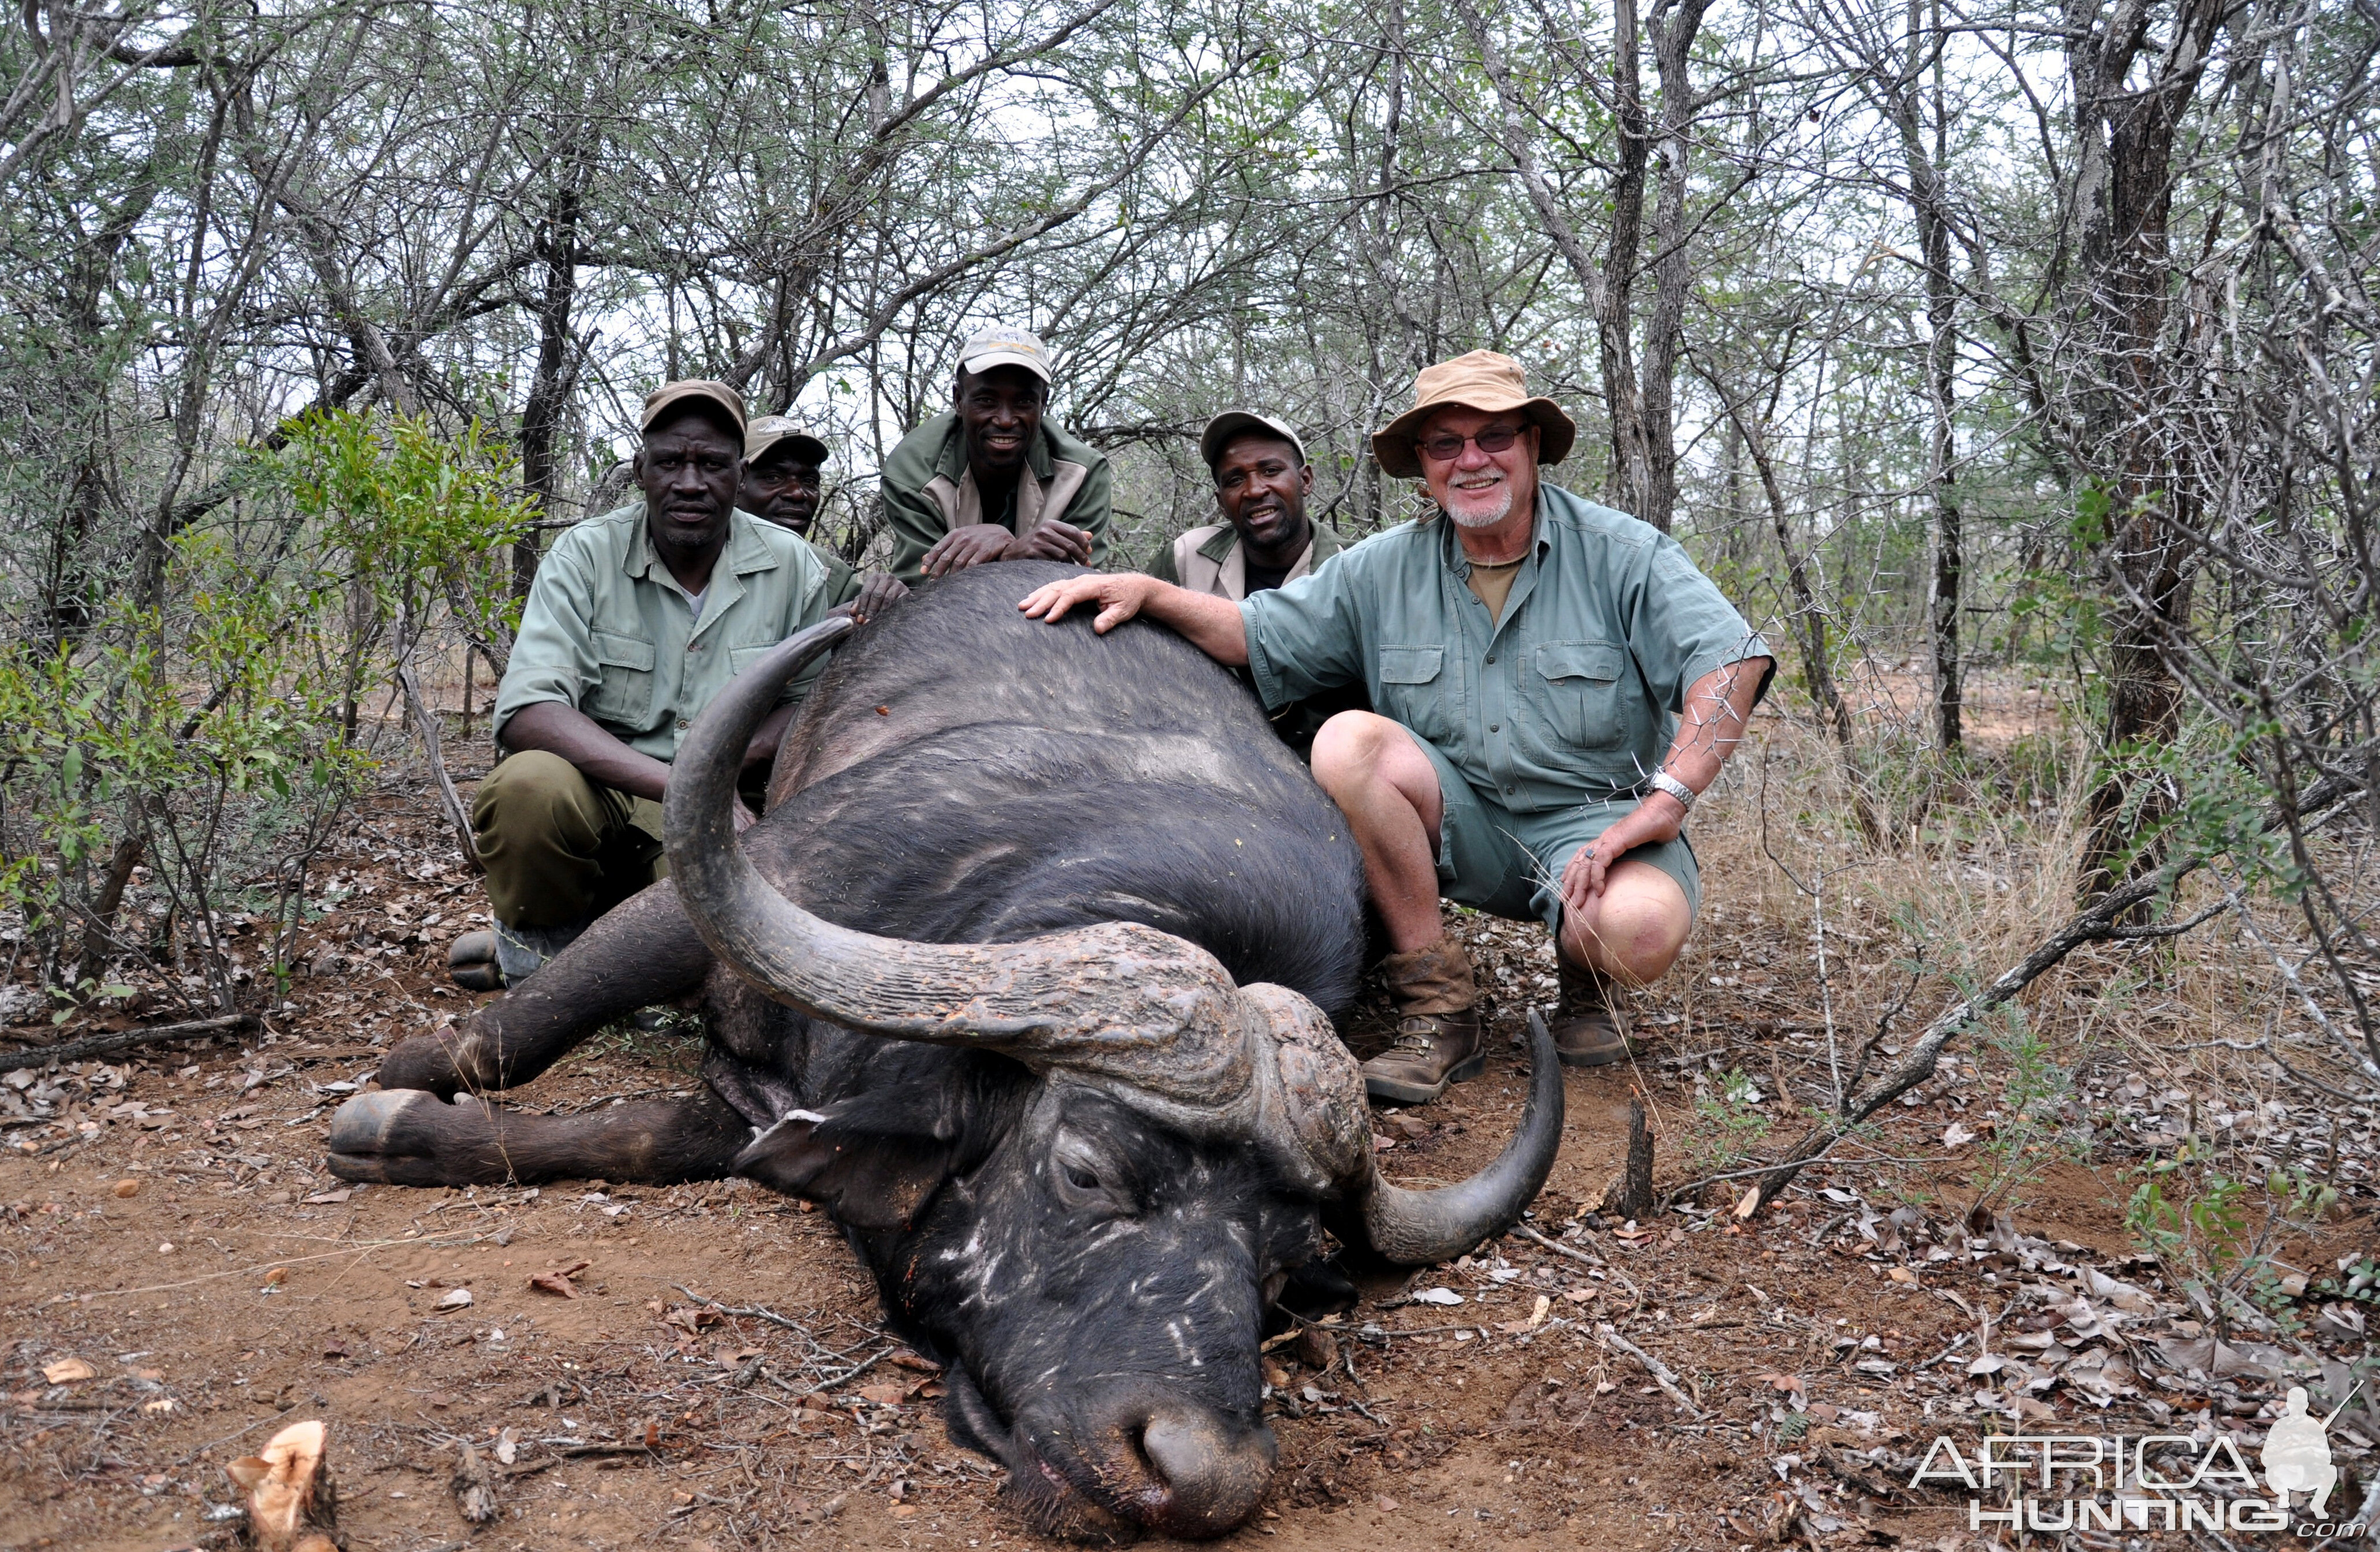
[[1510, 864]]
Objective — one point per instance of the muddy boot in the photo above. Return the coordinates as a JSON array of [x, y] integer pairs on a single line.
[[1586, 1028], [1438, 1025], [521, 951], [471, 962]]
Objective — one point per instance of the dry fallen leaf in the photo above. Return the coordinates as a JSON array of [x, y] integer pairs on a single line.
[[1783, 1382], [1958, 1134], [883, 1394], [1750, 1204], [1902, 1274], [459, 1299], [126, 1188], [67, 1371], [276, 1277]]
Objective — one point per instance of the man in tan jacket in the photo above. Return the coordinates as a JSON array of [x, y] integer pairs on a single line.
[[1261, 482], [1266, 541]]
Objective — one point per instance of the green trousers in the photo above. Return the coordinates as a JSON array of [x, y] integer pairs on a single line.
[[560, 850]]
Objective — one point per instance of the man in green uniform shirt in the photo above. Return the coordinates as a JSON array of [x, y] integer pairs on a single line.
[[1555, 681], [637, 619], [991, 479]]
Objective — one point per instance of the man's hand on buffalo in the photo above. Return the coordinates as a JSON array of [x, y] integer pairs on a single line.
[[974, 545], [1120, 595], [1212, 624], [1052, 541], [878, 592]]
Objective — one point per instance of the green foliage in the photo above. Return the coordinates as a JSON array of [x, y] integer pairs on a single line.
[[2206, 1228], [218, 735], [2035, 1093], [1729, 1125]]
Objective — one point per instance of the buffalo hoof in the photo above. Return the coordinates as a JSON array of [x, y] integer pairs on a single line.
[[404, 1136], [425, 1063]]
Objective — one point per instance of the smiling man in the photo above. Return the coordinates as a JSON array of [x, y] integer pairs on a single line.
[[637, 617], [1555, 680], [1262, 481], [992, 478]]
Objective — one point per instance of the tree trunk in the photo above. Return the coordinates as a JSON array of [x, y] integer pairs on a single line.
[[2126, 129], [1926, 200], [1628, 480], [1673, 33], [549, 388]]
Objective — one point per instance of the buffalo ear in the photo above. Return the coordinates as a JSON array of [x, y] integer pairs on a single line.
[[867, 1179]]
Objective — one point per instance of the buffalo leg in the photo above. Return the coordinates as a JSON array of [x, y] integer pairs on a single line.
[[644, 952], [404, 1136]]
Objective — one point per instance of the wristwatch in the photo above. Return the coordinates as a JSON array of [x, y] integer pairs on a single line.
[[1663, 782]]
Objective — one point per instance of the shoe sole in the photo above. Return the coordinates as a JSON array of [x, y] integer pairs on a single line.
[[1422, 1094], [1591, 1059]]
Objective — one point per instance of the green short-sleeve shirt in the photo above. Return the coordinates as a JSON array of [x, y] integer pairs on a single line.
[[608, 630], [1572, 698]]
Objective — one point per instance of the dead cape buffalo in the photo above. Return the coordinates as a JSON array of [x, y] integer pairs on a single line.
[[1022, 978]]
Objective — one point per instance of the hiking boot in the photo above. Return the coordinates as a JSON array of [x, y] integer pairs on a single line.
[[1438, 1025], [1586, 1028], [471, 962]]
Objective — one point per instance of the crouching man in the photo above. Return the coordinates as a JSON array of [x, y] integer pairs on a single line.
[[637, 617], [1555, 683]]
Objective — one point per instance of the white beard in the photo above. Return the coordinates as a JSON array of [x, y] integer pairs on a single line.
[[1502, 510]]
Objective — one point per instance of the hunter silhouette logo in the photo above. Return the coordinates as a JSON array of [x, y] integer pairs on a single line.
[[2297, 1453]]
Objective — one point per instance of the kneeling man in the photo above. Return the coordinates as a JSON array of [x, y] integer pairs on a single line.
[[637, 617], [1555, 680]]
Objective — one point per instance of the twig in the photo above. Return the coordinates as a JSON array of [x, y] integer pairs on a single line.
[[426, 722], [1558, 1248], [125, 1039], [1661, 1373], [2097, 922], [753, 1313]]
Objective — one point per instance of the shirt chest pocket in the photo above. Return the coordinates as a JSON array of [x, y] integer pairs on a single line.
[[1577, 693], [1415, 690], [623, 683]]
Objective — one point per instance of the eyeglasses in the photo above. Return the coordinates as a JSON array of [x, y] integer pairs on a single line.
[[1491, 439]]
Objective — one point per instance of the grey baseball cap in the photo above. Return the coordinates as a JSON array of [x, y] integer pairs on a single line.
[[774, 430], [1235, 422], [1002, 347]]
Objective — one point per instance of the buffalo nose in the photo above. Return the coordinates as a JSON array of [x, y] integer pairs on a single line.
[[1213, 1472]]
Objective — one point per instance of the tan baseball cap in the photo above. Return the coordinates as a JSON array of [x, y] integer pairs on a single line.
[[1004, 346], [781, 431], [1239, 422], [1482, 380], [669, 395]]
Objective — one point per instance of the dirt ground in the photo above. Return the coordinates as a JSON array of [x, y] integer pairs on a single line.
[[704, 1365]]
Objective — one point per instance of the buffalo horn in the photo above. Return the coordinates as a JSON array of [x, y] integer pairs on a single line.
[[1043, 997], [1416, 1228]]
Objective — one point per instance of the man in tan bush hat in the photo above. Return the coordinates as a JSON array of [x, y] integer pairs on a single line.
[[1554, 683]]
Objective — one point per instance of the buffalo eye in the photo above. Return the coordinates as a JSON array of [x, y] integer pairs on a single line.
[[1080, 1178]]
